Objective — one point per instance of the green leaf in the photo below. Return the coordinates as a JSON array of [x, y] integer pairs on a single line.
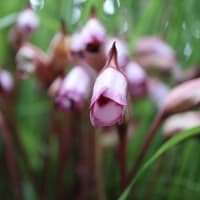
[[165, 147]]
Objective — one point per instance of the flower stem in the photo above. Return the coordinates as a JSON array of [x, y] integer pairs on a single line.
[[122, 143], [145, 145], [11, 158]]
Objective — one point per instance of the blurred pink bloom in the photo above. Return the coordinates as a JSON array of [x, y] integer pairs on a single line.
[[108, 101], [155, 54], [184, 97], [75, 89], [122, 50], [93, 34], [93, 30], [27, 21], [6, 81], [137, 79]]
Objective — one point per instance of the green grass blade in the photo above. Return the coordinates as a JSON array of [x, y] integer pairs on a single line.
[[165, 147]]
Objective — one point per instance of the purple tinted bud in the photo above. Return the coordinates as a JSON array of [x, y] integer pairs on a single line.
[[75, 89], [108, 101]]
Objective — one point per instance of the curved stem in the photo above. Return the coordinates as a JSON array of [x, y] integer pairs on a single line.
[[146, 145]]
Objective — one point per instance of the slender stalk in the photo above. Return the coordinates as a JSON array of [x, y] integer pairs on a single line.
[[145, 145], [11, 158], [83, 160], [122, 144], [99, 166], [65, 137]]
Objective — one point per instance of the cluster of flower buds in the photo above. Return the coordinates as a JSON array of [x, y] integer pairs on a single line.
[[94, 55]]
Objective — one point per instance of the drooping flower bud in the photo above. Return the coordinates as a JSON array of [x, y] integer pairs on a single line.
[[6, 81], [180, 122], [155, 55], [27, 22], [93, 33], [137, 79], [122, 50], [157, 91], [75, 89], [109, 101], [183, 97]]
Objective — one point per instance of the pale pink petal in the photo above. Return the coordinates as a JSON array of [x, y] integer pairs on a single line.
[[107, 115], [113, 84]]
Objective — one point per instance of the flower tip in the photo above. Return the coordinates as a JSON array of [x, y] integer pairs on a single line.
[[63, 27], [93, 12], [113, 56]]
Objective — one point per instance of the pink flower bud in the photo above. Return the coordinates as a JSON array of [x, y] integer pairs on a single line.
[[137, 79], [27, 21], [122, 50], [93, 33], [154, 54], [75, 89], [109, 94], [6, 81], [180, 122], [183, 97]]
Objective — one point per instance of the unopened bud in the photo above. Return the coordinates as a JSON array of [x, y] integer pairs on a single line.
[[109, 101]]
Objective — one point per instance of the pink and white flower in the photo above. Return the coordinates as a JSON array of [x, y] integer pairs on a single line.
[[75, 89], [93, 33], [109, 101]]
